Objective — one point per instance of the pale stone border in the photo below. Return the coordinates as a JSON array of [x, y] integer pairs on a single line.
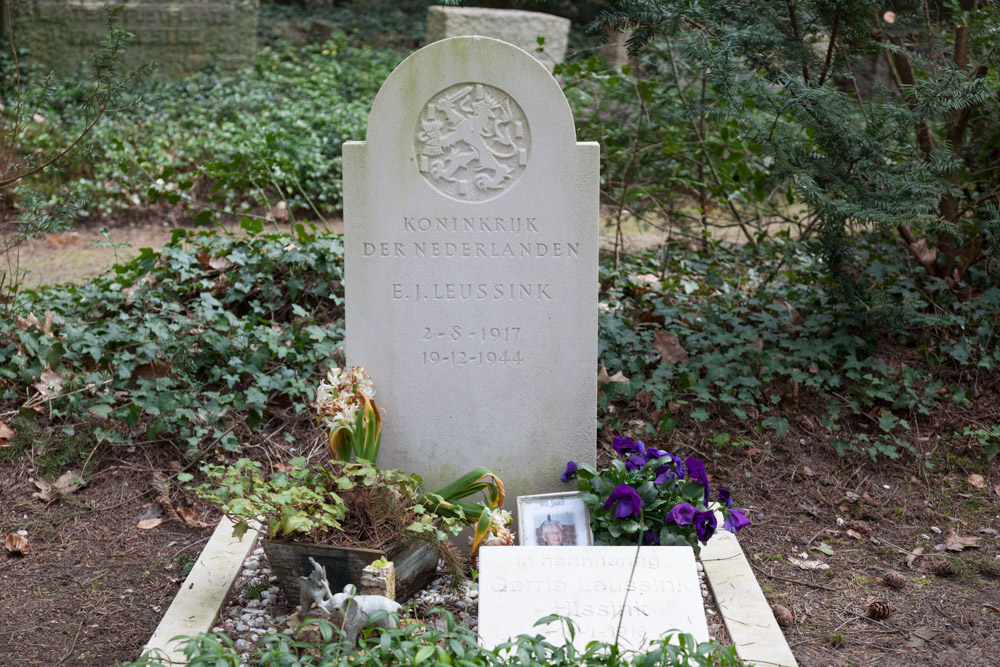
[[197, 603], [749, 621]]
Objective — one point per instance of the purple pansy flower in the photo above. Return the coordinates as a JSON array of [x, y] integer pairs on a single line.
[[650, 538], [665, 473], [634, 462], [654, 453], [704, 524], [626, 446], [628, 500], [725, 497], [696, 472], [682, 514], [569, 472], [735, 521]]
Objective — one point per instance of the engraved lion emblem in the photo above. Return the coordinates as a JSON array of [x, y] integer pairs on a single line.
[[472, 141]]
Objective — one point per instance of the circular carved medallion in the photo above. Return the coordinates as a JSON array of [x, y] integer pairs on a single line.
[[472, 141]]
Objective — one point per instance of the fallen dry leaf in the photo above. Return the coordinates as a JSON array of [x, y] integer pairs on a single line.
[[604, 378], [44, 492], [926, 256], [6, 433], [219, 263], [644, 278], [914, 555], [152, 370], [149, 524], [956, 542], [853, 533], [130, 291], [804, 564], [16, 544], [793, 315], [67, 483], [280, 211], [151, 511], [977, 481], [669, 347], [50, 384], [808, 471], [189, 515]]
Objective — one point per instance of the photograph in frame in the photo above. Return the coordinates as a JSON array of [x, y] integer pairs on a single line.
[[553, 519]]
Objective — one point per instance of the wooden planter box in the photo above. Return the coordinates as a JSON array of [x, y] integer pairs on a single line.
[[415, 565]]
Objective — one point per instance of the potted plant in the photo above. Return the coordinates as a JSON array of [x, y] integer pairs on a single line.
[[651, 497], [347, 514]]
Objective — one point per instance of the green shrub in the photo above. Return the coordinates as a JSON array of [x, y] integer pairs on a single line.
[[913, 154]]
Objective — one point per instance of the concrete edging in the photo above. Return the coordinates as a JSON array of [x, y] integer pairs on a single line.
[[745, 611], [204, 591]]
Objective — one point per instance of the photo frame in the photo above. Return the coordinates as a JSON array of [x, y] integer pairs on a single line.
[[553, 519]]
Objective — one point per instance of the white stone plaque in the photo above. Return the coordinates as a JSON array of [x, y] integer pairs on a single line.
[[594, 586], [471, 225]]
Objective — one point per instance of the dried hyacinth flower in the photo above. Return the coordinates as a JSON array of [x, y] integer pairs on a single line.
[[338, 397], [499, 533]]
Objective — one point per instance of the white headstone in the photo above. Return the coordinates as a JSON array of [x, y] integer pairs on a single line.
[[471, 224], [514, 26], [594, 586]]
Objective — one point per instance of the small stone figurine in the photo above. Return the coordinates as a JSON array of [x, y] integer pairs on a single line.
[[352, 609]]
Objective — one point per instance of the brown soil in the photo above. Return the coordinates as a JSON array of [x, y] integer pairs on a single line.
[[93, 586], [796, 490]]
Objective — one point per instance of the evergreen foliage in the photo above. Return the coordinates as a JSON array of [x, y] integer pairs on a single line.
[[914, 153]]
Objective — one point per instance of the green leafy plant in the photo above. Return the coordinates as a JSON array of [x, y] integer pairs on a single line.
[[191, 345], [350, 503], [417, 643], [759, 333]]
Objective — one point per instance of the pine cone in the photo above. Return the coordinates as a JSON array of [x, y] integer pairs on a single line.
[[879, 610], [894, 579], [783, 615], [941, 568]]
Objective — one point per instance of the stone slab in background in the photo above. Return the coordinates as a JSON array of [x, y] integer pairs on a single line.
[[470, 253], [181, 36], [519, 585], [513, 26]]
